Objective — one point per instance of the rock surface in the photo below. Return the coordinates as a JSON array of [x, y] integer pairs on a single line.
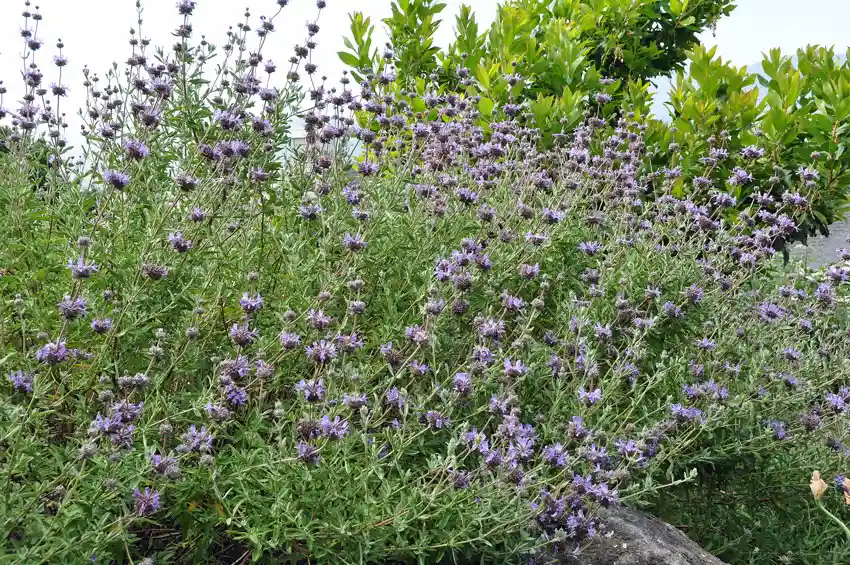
[[641, 539], [821, 251]]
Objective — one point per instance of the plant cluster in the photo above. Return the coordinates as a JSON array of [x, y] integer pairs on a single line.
[[460, 345], [601, 56]]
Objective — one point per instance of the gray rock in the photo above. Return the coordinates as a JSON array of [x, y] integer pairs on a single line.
[[822, 251], [641, 539]]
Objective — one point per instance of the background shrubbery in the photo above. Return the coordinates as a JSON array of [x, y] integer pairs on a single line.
[[600, 57], [455, 347]]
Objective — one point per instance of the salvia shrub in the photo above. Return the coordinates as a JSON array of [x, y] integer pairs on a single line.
[[458, 346]]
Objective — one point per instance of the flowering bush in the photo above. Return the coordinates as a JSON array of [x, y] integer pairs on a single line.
[[459, 346], [785, 126]]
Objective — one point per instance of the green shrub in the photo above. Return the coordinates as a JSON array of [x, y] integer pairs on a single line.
[[797, 114], [574, 59], [456, 349]]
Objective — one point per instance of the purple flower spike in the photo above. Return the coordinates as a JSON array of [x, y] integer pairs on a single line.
[[147, 501], [21, 381]]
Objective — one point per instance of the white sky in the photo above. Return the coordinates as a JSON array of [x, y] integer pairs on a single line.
[[95, 32]]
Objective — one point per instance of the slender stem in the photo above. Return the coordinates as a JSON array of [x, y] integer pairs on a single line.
[[835, 519]]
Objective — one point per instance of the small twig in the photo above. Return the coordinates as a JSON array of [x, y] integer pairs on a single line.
[[127, 551]]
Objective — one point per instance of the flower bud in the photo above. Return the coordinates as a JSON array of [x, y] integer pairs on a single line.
[[817, 485], [88, 450]]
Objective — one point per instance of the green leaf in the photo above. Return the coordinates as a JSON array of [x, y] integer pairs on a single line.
[[485, 106], [676, 7], [348, 59], [483, 77]]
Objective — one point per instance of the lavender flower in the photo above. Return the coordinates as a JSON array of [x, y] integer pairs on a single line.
[[416, 334], [770, 312], [321, 352], [237, 396], [185, 7], [318, 319], [126, 411], [511, 303], [235, 368], [477, 440], [116, 179], [53, 353], [289, 340], [394, 398], [460, 479], [590, 247], [515, 369], [555, 455], [251, 303], [101, 325], [779, 430], [187, 183], [367, 168], [529, 271], [179, 243], [196, 441], [334, 429], [825, 294], [672, 310], [307, 453], [227, 120], [313, 389], [591, 397], [740, 177], [147, 501], [809, 174], [216, 412], [354, 401], [462, 384], [136, 150], [354, 242], [72, 308], [164, 465], [242, 335], [536, 238], [393, 357], [154, 272], [80, 269], [687, 414], [837, 274], [694, 294], [492, 329], [752, 152], [437, 420], [21, 381], [418, 369]]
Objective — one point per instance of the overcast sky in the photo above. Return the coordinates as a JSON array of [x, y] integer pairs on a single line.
[[95, 32]]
